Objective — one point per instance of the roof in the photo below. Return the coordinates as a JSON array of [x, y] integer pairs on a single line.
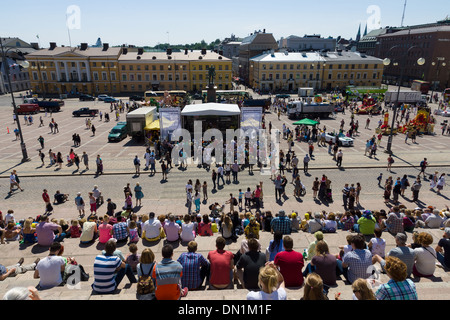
[[289, 57], [89, 52], [211, 109], [176, 56], [407, 31], [140, 111], [350, 56]]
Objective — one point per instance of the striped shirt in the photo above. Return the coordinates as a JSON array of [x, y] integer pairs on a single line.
[[104, 273], [402, 290], [192, 262], [168, 274]]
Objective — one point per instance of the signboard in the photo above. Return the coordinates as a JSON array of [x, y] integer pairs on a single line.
[[170, 120], [251, 118]]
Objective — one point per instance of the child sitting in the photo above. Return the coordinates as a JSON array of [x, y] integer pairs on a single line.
[[134, 235], [377, 245], [75, 230], [132, 258], [346, 248]]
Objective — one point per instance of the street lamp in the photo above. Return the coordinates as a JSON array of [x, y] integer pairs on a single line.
[[439, 63], [386, 62], [24, 64]]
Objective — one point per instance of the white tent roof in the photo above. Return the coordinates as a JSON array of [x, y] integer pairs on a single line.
[[211, 109]]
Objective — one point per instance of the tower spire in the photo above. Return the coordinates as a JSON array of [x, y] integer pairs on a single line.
[[358, 36]]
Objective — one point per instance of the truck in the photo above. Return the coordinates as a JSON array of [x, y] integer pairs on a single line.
[[46, 105], [302, 109], [138, 119], [305, 92], [403, 97], [85, 112], [28, 108], [265, 103]]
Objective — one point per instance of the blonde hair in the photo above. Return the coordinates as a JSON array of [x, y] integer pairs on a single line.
[[147, 256], [144, 217], [362, 287], [27, 224], [132, 224], [425, 239], [313, 287], [268, 277]]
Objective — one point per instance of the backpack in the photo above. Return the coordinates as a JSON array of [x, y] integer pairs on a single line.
[[235, 202], [145, 283]]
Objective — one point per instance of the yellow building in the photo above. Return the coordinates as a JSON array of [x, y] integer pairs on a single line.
[[187, 70], [69, 70], [288, 71]]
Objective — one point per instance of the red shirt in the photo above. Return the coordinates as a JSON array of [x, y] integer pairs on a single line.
[[290, 264], [46, 197], [220, 266]]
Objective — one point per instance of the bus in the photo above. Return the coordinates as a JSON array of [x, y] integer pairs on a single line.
[[178, 97], [447, 95], [420, 85], [232, 95]]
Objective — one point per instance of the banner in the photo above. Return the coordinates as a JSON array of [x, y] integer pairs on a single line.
[[170, 120], [251, 118]]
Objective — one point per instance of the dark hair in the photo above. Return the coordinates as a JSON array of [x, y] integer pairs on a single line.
[[378, 232], [359, 241], [110, 247], [55, 246], [288, 243], [151, 214], [253, 244], [220, 243], [167, 251]]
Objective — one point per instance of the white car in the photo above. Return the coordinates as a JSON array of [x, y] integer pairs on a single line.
[[445, 113], [343, 140], [101, 97]]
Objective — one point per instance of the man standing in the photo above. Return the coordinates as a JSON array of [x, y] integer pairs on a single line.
[[195, 267], [79, 202], [85, 160], [137, 165], [220, 175], [290, 264], [340, 155], [147, 159], [345, 194], [152, 163], [167, 274], [13, 182], [306, 160], [235, 170], [423, 166], [41, 141], [48, 205]]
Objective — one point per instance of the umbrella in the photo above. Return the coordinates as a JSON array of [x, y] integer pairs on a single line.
[[306, 121]]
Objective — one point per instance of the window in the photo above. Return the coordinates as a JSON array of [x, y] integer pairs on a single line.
[[200, 67], [131, 68], [139, 77], [53, 75], [131, 77], [123, 68], [146, 67], [155, 77], [278, 67], [220, 67], [284, 67], [147, 77], [161, 77], [264, 67], [184, 77], [169, 76], [35, 76], [138, 67], [124, 77], [95, 76], [161, 67], [226, 67], [284, 76], [154, 68], [339, 66], [104, 76]]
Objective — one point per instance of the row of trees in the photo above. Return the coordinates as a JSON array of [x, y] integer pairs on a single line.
[[193, 46]]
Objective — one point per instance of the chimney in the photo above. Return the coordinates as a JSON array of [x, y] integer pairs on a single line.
[[221, 52], [264, 30], [125, 51], [140, 51], [105, 47], [52, 45], [185, 51], [203, 51], [169, 51], [84, 46], [35, 45]]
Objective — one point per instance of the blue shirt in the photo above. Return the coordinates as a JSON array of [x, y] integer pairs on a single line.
[[104, 273], [192, 262]]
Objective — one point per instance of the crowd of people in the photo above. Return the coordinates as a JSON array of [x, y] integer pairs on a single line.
[[264, 269]]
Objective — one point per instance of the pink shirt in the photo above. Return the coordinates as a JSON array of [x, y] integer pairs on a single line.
[[171, 229], [45, 234], [104, 232]]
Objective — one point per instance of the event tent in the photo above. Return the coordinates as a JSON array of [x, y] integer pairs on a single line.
[[306, 121], [211, 109]]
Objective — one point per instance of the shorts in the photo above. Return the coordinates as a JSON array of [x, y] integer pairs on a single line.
[[80, 207]]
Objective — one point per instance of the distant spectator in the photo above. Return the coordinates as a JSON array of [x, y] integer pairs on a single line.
[[187, 229], [444, 245], [315, 224], [365, 224], [281, 223], [45, 232], [324, 264], [377, 245], [151, 230], [424, 256], [89, 230], [356, 263], [104, 230], [120, 230], [204, 227], [16, 269], [172, 229], [433, 221], [394, 221], [275, 246]]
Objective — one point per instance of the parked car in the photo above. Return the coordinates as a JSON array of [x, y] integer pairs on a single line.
[[137, 98], [444, 113], [109, 99], [85, 112], [118, 133], [86, 97], [342, 140], [101, 97]]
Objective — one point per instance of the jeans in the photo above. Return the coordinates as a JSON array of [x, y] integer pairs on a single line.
[[278, 192], [441, 259]]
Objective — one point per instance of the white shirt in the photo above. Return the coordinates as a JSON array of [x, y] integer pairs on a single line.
[[378, 246], [187, 232], [151, 228], [50, 271], [279, 294], [425, 260]]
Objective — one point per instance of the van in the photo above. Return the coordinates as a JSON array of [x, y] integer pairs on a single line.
[[28, 108], [118, 133]]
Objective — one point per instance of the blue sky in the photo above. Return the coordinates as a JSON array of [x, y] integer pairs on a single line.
[[186, 21]]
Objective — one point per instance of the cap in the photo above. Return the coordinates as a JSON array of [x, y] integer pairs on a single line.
[[109, 199], [430, 207]]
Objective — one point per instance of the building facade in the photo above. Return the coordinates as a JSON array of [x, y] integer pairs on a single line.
[[69, 70], [307, 43], [288, 71]]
